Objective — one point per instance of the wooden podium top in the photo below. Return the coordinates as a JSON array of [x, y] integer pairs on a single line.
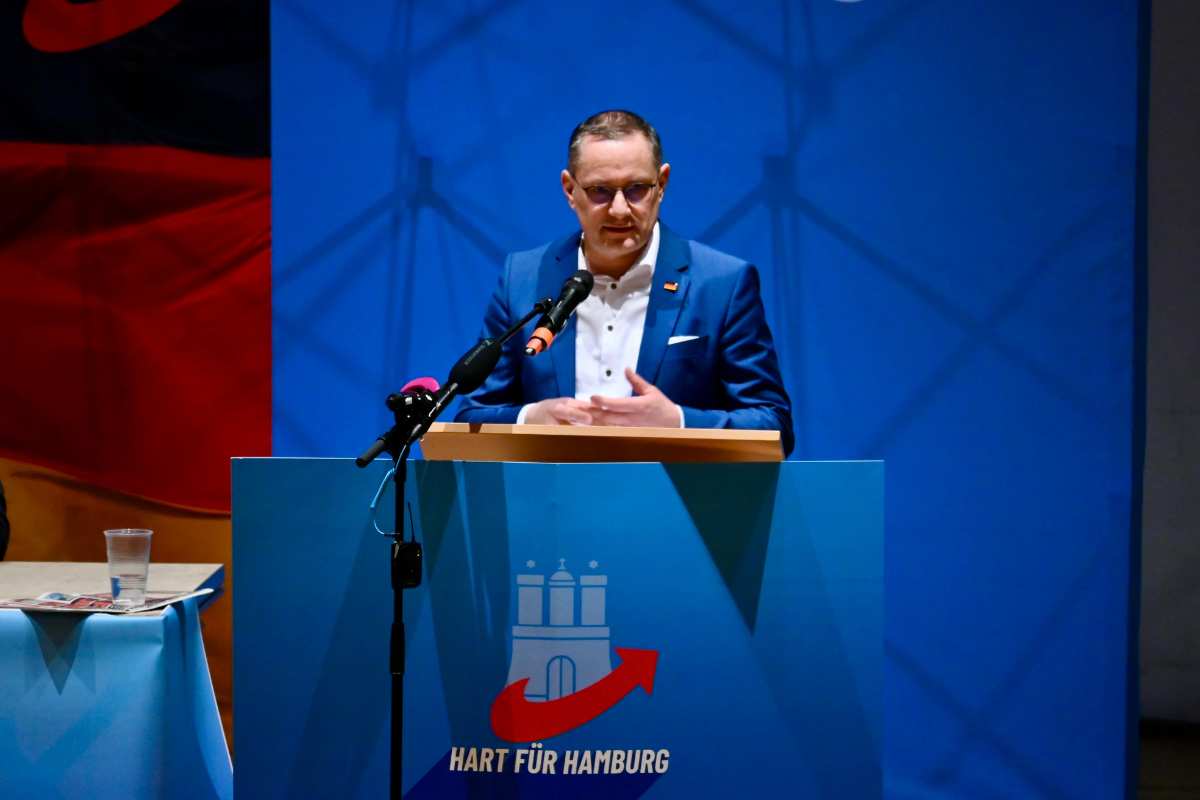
[[457, 441]]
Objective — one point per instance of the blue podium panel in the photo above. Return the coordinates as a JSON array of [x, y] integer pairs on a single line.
[[109, 708], [584, 630]]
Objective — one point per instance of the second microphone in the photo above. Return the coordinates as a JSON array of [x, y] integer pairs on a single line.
[[574, 291]]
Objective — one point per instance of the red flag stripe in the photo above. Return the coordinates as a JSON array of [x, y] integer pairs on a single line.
[[136, 300]]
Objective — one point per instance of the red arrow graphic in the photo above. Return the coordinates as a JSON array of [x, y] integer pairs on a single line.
[[515, 719], [60, 26]]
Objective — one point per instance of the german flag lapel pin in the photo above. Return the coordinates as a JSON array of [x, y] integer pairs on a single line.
[[671, 286]]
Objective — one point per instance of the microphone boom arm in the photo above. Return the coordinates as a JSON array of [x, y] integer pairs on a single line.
[[454, 387], [540, 307]]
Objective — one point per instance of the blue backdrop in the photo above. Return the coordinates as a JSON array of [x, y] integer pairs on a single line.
[[941, 196]]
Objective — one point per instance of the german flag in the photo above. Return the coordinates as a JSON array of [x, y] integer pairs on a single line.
[[135, 293], [135, 242]]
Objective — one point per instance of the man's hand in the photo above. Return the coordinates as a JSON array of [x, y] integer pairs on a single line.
[[647, 408], [559, 411]]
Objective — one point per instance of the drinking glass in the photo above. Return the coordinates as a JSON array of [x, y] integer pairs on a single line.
[[128, 564]]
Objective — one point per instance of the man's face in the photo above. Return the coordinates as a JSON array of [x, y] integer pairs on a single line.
[[616, 230]]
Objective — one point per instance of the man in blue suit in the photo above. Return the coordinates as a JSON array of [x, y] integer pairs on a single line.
[[673, 333]]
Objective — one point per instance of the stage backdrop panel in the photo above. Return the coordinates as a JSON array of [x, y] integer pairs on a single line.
[[941, 196]]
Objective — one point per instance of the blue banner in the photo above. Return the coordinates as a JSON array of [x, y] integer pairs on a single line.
[[689, 631], [941, 198]]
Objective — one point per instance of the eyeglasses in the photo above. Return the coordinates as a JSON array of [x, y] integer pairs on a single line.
[[603, 195]]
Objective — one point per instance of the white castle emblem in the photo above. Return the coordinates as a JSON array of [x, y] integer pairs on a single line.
[[561, 646]]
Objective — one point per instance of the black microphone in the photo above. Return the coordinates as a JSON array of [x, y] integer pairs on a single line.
[[470, 371], [574, 291]]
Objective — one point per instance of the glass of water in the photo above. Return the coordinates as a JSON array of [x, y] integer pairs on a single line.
[[128, 564]]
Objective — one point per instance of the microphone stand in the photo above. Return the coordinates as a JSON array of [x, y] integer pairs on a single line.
[[406, 567]]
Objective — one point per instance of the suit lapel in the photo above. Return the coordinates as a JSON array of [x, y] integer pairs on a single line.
[[663, 310], [560, 261]]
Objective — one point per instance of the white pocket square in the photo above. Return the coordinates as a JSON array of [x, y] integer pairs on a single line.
[[680, 339]]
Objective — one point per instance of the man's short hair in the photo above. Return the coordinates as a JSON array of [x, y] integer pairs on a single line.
[[613, 124]]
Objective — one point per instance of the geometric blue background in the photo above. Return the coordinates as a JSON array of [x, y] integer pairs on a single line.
[[941, 197]]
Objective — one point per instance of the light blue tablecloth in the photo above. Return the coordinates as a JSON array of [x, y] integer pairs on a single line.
[[101, 706]]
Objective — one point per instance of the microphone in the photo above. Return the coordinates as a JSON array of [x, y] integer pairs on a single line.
[[470, 371], [574, 291], [416, 398]]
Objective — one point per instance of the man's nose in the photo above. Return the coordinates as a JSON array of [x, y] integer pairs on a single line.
[[619, 207]]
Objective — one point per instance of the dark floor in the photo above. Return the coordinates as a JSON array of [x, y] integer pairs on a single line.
[[1170, 761]]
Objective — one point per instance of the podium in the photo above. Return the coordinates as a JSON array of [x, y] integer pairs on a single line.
[[635, 629]]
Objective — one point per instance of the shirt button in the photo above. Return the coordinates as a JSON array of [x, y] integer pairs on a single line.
[[610, 327], [608, 373]]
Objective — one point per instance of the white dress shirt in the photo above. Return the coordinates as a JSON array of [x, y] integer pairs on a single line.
[[609, 329]]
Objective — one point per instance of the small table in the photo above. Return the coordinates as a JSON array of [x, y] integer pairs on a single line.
[[32, 578], [104, 705]]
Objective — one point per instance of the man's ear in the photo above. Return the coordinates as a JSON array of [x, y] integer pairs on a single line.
[[664, 175], [568, 187]]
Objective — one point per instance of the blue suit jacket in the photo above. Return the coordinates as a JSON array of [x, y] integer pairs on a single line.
[[727, 377]]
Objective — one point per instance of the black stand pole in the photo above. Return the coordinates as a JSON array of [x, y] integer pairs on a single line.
[[467, 375], [406, 573]]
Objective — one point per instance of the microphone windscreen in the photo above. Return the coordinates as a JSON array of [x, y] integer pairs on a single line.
[[473, 368], [428, 384]]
